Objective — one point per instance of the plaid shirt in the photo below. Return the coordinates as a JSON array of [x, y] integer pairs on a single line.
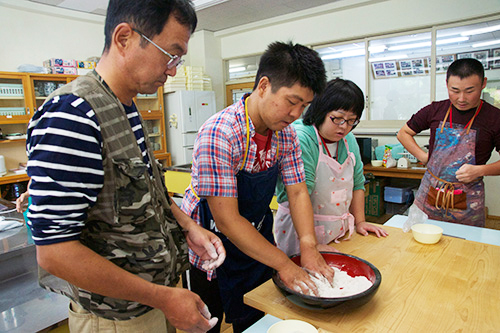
[[218, 155]]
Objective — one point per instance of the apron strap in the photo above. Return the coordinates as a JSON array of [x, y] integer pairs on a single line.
[[469, 124], [474, 117], [445, 118], [248, 137]]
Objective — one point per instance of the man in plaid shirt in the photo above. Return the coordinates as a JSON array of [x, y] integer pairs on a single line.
[[238, 155]]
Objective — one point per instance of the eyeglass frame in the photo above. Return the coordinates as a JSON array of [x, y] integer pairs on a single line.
[[171, 64], [343, 121]]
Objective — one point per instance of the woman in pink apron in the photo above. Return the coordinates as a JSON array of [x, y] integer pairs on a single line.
[[334, 171]]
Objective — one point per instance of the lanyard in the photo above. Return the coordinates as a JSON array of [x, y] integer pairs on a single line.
[[328, 151]]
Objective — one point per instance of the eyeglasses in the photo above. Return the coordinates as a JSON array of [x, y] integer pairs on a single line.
[[340, 121], [175, 61]]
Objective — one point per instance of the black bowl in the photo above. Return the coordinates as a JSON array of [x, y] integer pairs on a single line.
[[352, 265]]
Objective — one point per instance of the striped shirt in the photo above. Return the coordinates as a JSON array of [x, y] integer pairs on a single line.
[[218, 155], [64, 147]]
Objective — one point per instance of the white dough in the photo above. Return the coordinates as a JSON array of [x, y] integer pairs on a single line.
[[343, 284]]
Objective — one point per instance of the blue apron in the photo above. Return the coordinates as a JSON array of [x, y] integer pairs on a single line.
[[240, 273]]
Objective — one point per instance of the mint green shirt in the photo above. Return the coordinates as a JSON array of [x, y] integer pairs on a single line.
[[310, 154]]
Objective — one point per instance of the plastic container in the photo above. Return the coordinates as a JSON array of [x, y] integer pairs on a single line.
[[426, 233], [398, 194]]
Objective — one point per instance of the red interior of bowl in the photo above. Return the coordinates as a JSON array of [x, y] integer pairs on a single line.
[[352, 266]]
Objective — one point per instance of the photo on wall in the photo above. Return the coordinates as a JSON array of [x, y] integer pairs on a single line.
[[482, 56], [385, 69], [496, 58], [442, 62]]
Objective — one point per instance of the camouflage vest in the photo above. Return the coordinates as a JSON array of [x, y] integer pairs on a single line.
[[131, 223]]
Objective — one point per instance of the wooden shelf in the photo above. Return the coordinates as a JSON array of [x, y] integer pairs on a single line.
[[10, 178], [7, 141], [411, 173]]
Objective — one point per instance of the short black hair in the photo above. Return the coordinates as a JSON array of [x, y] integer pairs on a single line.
[[147, 16], [465, 67], [285, 64], [339, 94]]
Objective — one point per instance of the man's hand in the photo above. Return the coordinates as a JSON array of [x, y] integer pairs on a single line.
[[297, 279], [206, 245], [185, 310], [313, 261], [22, 202], [468, 173], [363, 228]]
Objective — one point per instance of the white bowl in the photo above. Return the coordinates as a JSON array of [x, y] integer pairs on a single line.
[[376, 163], [426, 233], [292, 326]]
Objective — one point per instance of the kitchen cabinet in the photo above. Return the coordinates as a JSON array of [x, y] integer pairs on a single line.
[[152, 111], [43, 85], [20, 96]]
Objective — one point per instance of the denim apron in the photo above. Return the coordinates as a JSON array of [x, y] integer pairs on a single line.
[[455, 145], [240, 273]]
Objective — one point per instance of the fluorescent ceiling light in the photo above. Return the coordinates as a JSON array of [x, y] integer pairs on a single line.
[[391, 57], [344, 54], [409, 46], [237, 69], [428, 44], [451, 40], [481, 30], [202, 4], [488, 43], [377, 49], [354, 53]]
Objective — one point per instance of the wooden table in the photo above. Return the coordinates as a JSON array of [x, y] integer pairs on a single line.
[[413, 173], [450, 286]]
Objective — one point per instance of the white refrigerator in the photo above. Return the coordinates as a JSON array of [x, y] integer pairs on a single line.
[[185, 112]]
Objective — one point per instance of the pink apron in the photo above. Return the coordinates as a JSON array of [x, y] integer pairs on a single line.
[[455, 145], [331, 199]]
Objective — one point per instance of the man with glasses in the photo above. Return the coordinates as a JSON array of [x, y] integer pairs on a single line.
[[107, 234], [333, 169]]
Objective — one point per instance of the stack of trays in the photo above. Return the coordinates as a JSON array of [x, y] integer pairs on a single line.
[[207, 83], [178, 82], [194, 78]]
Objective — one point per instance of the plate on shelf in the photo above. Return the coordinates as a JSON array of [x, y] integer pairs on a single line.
[[15, 136]]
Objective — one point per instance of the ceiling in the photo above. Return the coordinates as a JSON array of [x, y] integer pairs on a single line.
[[222, 16]]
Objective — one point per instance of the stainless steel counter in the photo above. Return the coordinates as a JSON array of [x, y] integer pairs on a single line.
[[24, 305]]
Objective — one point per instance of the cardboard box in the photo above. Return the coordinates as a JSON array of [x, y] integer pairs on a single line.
[[63, 70], [374, 197], [58, 62], [85, 64]]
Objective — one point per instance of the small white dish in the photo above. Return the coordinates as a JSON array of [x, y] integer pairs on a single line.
[[292, 326], [377, 163], [426, 233]]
